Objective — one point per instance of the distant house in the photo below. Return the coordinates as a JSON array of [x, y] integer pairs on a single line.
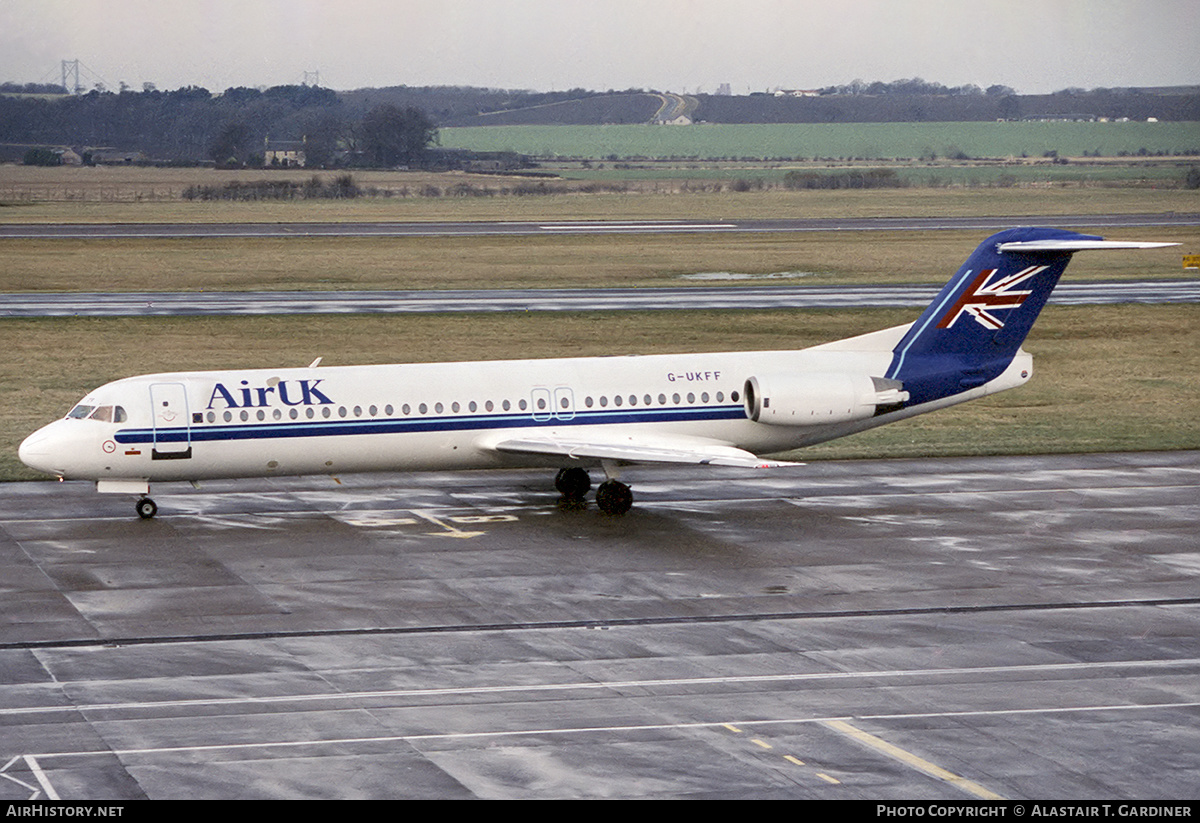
[[283, 154]]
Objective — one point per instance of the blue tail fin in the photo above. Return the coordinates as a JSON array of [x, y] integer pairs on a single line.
[[971, 332]]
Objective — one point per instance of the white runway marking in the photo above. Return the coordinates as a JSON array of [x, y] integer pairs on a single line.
[[1040, 670]]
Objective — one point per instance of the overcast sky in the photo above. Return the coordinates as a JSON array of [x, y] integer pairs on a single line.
[[1033, 46]]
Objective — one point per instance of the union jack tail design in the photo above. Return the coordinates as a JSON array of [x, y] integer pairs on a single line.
[[982, 298], [973, 329]]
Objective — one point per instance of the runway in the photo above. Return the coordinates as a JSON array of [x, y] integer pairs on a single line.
[[957, 629], [525, 228], [163, 304]]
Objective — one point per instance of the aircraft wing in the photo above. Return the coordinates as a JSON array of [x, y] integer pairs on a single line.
[[634, 450]]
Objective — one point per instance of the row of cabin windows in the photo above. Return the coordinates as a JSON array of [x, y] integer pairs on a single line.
[[647, 400], [358, 411], [406, 409], [294, 414]]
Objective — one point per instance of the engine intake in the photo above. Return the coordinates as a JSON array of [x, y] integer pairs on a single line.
[[817, 398]]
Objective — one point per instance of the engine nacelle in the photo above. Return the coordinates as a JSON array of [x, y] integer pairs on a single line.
[[817, 398]]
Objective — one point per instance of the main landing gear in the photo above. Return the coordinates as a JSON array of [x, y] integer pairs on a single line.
[[612, 496], [146, 508], [573, 484]]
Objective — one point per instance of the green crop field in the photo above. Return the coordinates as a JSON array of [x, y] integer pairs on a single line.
[[836, 140]]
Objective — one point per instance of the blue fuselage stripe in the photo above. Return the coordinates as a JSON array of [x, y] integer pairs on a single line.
[[210, 432]]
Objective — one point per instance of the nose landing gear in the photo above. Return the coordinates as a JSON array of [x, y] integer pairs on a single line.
[[146, 508]]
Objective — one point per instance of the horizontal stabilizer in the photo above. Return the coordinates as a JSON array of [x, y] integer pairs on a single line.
[[1076, 245], [632, 451]]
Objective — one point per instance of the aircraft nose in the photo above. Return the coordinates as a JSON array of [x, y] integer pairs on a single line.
[[37, 451]]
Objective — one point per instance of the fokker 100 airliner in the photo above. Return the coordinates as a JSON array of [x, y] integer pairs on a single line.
[[721, 409]]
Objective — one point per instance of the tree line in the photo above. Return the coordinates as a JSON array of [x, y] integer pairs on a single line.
[[192, 125], [913, 86]]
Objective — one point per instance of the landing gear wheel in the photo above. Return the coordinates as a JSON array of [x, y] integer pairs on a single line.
[[573, 483], [146, 508], [614, 497]]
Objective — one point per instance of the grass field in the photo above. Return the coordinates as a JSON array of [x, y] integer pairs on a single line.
[[160, 265], [1106, 377], [929, 174], [563, 261], [659, 199], [649, 191]]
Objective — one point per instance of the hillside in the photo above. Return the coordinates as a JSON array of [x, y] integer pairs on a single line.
[[461, 106]]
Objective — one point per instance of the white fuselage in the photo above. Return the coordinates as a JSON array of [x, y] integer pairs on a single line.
[[330, 420]]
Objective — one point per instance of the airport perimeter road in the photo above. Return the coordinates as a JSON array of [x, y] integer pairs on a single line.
[[955, 629], [144, 304], [466, 228]]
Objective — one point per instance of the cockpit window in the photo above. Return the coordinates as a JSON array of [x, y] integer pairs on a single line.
[[105, 414]]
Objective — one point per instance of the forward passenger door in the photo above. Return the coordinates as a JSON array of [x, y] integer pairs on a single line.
[[171, 421]]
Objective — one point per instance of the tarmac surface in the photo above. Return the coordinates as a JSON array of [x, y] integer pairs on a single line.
[[164, 304], [524, 228], [953, 629]]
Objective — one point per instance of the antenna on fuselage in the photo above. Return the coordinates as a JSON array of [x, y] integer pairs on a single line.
[[315, 363]]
